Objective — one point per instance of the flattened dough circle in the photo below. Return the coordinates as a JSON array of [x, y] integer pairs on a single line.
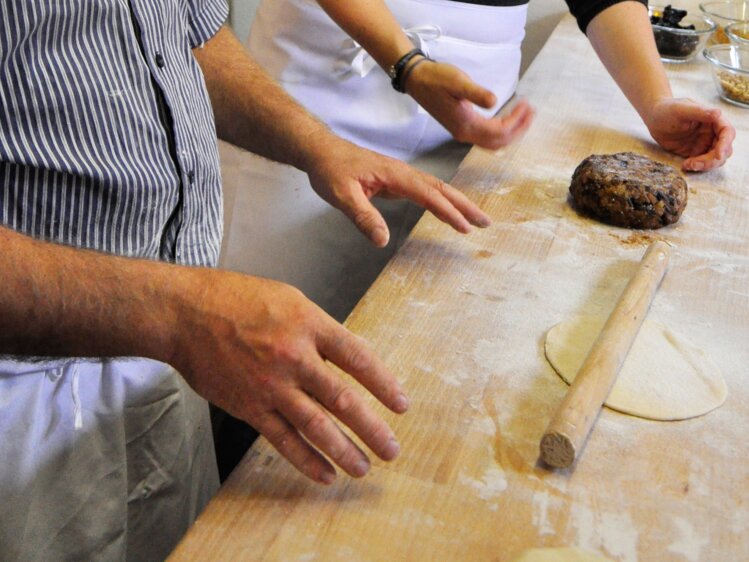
[[663, 378]]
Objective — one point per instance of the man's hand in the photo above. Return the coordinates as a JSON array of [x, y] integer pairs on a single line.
[[256, 114], [348, 176], [449, 94], [258, 349], [702, 135], [254, 347]]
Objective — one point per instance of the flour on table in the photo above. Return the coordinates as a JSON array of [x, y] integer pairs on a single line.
[[663, 377], [563, 554]]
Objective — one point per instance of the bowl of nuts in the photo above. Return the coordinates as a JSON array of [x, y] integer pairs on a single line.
[[738, 33], [722, 14], [679, 36], [730, 68]]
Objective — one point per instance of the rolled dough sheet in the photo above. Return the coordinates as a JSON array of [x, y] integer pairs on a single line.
[[663, 377], [563, 554]]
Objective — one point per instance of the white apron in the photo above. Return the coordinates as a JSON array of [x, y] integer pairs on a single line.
[[276, 226], [100, 460], [318, 64]]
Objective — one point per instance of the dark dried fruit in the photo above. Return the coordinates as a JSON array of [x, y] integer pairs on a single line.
[[670, 18], [677, 45]]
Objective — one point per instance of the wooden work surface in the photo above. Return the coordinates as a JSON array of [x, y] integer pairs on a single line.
[[461, 321]]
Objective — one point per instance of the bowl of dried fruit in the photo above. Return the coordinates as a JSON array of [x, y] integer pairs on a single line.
[[723, 14], [679, 36], [738, 33], [730, 68]]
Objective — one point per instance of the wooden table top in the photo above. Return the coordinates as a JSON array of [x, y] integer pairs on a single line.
[[461, 321]]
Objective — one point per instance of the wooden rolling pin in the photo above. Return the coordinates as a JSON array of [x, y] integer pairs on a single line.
[[565, 437]]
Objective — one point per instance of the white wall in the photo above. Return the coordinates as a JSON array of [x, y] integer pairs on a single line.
[[543, 15], [240, 16]]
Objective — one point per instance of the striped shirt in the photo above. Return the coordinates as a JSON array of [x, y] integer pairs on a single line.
[[107, 136]]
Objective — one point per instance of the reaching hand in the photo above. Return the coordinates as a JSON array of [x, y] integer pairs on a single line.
[[348, 176], [258, 349], [449, 95], [702, 135]]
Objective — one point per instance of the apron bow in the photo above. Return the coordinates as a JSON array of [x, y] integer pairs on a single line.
[[361, 63]]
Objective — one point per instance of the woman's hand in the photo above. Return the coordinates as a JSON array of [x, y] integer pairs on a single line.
[[449, 95], [700, 134]]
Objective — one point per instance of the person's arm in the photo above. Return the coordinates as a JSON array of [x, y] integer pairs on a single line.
[[623, 39], [445, 91], [255, 113], [254, 347]]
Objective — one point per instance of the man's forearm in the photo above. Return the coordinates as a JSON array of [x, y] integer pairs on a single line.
[[623, 39], [254, 112], [61, 301]]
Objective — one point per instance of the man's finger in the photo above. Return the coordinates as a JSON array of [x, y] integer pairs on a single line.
[[287, 441], [351, 354], [309, 418], [366, 217], [470, 210], [428, 192], [341, 400], [433, 199]]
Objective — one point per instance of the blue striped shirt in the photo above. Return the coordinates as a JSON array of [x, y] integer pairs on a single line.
[[107, 136]]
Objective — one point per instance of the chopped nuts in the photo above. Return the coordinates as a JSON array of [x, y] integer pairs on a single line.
[[734, 86]]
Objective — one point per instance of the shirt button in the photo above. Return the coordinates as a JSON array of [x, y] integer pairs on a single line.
[[191, 177], [159, 58]]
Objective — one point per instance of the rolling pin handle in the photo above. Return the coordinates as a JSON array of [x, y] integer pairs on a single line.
[[557, 450]]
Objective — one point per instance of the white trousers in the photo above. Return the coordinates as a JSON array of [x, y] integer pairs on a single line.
[[275, 225], [100, 460]]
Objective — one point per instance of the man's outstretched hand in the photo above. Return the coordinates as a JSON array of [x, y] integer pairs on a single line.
[[348, 176], [263, 352]]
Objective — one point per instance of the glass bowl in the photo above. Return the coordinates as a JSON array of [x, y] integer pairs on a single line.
[[738, 33], [681, 45], [723, 14], [730, 68]]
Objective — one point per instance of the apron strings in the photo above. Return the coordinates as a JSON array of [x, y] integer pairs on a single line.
[[56, 374], [76, 399], [361, 63]]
